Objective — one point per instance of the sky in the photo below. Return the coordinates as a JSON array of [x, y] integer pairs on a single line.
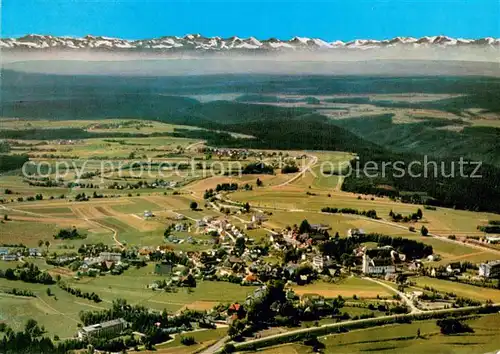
[[326, 19]]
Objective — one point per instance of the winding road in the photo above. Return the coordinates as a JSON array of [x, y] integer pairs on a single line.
[[405, 299]]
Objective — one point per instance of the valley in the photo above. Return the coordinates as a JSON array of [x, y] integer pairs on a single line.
[[190, 215]]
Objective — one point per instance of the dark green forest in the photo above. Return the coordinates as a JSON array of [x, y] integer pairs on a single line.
[[373, 138]]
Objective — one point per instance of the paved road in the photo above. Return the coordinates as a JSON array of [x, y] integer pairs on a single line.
[[216, 347], [408, 302]]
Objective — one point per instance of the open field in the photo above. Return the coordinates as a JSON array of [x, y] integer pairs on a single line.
[[338, 223], [110, 148], [58, 313], [397, 338], [118, 125], [345, 288], [96, 218], [132, 286], [30, 230], [442, 220]]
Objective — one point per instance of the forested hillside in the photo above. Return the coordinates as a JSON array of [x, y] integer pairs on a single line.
[[372, 138]]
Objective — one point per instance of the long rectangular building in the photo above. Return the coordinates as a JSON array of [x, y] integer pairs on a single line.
[[107, 329], [490, 269]]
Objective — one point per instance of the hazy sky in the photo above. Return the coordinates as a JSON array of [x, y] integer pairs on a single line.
[[327, 19]]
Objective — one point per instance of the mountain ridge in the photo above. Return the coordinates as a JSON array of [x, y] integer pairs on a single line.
[[197, 42]]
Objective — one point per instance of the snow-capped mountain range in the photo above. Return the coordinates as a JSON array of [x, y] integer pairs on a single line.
[[197, 42]]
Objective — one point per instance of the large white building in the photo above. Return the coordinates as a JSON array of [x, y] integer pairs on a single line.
[[490, 269], [109, 329], [370, 266]]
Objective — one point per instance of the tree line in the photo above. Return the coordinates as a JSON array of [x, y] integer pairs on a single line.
[[27, 272], [368, 213], [78, 293]]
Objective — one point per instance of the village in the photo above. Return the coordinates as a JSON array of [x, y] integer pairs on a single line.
[[296, 255]]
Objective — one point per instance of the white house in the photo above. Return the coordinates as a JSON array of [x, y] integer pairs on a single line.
[[355, 232], [371, 267], [179, 227], [318, 263], [34, 252], [259, 218]]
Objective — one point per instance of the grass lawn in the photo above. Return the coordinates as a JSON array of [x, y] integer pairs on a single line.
[[259, 235], [402, 338], [171, 202], [136, 238], [463, 290]]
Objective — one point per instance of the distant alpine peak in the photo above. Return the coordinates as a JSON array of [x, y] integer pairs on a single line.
[[197, 42]]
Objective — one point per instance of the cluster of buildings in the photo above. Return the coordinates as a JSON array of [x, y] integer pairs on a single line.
[[293, 237], [105, 260], [222, 227], [230, 153], [190, 240], [9, 255], [68, 142]]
